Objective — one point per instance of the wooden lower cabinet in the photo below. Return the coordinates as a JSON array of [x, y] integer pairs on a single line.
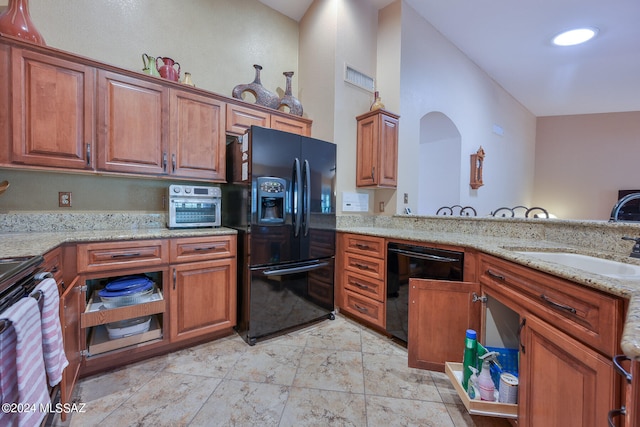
[[432, 339], [565, 376], [360, 267], [562, 382], [71, 306], [202, 298], [194, 300]]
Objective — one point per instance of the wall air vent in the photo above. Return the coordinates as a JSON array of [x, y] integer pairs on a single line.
[[356, 78]]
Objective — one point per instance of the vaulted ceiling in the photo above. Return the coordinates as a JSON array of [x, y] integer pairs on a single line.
[[511, 41]]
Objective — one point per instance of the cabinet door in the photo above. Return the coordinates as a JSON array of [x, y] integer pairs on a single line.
[[71, 306], [298, 126], [132, 132], [198, 139], [240, 119], [377, 150], [202, 298], [439, 314], [562, 382], [52, 111], [388, 157], [367, 152]]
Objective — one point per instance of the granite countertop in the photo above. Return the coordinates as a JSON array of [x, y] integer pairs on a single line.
[[39, 243], [507, 247], [28, 243]]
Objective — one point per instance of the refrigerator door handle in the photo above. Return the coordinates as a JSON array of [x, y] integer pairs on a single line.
[[306, 210], [294, 270], [296, 199]]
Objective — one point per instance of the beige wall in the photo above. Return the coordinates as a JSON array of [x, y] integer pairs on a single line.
[[417, 72], [582, 161], [218, 41], [437, 77]]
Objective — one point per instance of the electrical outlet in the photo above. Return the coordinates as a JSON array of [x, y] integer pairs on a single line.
[[381, 206], [406, 198], [64, 199]]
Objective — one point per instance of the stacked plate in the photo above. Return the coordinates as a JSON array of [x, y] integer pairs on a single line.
[[128, 290]]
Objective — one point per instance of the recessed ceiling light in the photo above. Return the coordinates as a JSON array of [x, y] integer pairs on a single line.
[[576, 36]]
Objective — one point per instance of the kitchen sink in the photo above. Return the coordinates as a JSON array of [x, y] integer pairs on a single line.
[[590, 264]]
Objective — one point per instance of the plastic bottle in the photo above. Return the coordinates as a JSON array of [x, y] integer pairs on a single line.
[[485, 382], [473, 391], [470, 357]]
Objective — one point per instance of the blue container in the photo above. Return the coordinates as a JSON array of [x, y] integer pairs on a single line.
[[508, 361]]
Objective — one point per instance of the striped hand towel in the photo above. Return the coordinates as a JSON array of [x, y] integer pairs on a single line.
[[8, 376], [54, 358], [27, 368]]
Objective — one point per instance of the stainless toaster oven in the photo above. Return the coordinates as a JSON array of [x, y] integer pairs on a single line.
[[194, 206]]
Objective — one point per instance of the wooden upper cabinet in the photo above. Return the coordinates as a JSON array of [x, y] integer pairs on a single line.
[[240, 119], [377, 149], [132, 130], [291, 124], [52, 109], [198, 140]]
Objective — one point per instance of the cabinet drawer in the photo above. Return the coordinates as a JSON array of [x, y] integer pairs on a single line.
[[364, 245], [202, 248], [96, 314], [588, 315], [370, 267], [364, 308], [112, 255], [363, 285]]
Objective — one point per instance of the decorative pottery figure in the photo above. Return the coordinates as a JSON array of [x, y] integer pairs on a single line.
[[167, 70], [263, 96], [377, 103], [188, 80], [150, 67], [295, 107], [16, 21]]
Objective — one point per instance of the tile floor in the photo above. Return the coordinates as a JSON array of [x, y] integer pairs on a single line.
[[333, 373]]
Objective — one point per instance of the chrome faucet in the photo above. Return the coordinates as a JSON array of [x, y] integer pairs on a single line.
[[616, 209], [635, 252]]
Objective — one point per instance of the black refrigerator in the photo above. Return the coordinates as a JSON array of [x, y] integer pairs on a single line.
[[280, 197]]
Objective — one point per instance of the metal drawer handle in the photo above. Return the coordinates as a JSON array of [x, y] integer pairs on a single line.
[[614, 413], [495, 275], [361, 266], [362, 246], [558, 305], [360, 285], [524, 322], [616, 363], [208, 248], [129, 255], [360, 309]]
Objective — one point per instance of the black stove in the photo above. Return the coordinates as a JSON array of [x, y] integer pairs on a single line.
[[17, 278]]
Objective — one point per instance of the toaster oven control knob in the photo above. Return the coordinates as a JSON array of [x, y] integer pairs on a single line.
[[187, 190], [176, 189]]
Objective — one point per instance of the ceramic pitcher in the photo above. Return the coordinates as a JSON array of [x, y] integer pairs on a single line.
[[166, 68], [150, 67]]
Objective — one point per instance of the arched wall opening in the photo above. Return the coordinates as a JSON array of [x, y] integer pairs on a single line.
[[439, 170]]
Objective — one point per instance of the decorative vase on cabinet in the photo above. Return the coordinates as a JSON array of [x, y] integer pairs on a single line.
[[16, 21]]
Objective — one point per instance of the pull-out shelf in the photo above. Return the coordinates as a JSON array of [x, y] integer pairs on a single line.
[[97, 314], [478, 407]]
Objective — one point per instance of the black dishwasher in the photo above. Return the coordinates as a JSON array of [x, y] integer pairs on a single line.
[[412, 261]]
